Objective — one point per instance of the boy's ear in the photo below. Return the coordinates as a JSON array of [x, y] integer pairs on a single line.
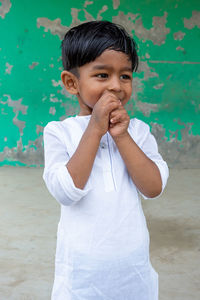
[[70, 82]]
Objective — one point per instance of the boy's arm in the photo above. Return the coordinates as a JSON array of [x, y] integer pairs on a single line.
[[143, 171], [66, 176], [80, 164]]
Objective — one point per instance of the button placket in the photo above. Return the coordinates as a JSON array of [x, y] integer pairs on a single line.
[[107, 169], [103, 145]]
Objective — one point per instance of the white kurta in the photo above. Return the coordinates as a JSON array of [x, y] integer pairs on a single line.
[[102, 241]]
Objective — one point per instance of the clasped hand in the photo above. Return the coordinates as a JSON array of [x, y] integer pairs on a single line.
[[109, 115]]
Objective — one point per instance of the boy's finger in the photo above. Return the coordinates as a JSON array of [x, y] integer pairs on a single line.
[[117, 118], [112, 106], [115, 112], [118, 115], [107, 95]]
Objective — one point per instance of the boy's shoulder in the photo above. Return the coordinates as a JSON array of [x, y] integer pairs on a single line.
[[139, 131], [67, 131], [74, 125], [59, 124], [138, 125]]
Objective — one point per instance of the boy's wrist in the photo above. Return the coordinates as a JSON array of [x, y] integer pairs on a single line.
[[94, 132], [121, 138]]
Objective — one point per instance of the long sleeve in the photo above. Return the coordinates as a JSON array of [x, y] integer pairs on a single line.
[[56, 175], [148, 145]]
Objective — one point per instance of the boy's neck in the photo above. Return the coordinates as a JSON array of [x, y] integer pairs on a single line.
[[84, 110]]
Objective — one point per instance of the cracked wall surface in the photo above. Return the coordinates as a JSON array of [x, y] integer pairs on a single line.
[[165, 88]]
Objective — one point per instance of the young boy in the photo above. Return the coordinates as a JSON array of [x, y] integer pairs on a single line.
[[95, 165]]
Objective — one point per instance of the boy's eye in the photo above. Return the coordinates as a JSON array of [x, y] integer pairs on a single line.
[[125, 76], [102, 75]]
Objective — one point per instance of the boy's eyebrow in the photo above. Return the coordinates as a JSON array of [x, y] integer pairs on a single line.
[[103, 67]]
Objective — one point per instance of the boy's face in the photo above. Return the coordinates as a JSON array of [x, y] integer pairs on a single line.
[[112, 72]]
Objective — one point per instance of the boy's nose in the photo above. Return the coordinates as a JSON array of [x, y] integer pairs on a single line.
[[114, 84]]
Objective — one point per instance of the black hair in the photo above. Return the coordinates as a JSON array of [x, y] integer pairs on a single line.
[[84, 43]]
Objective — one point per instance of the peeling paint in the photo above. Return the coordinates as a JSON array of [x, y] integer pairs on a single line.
[[31, 154], [104, 8], [88, 16], [56, 83], [180, 48], [52, 110], [158, 86], [176, 151], [55, 26], [179, 35], [71, 109], [20, 124], [88, 3], [157, 34], [116, 4], [148, 73], [4, 7], [74, 14], [39, 129], [15, 104], [8, 68], [137, 87], [62, 91], [33, 65], [193, 21], [54, 99], [17, 107], [146, 107]]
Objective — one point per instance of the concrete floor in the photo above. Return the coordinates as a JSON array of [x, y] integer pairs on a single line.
[[28, 223]]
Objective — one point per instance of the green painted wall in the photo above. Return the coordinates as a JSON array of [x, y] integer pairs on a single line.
[[166, 86]]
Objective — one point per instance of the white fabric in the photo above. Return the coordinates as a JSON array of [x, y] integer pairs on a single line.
[[102, 241]]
